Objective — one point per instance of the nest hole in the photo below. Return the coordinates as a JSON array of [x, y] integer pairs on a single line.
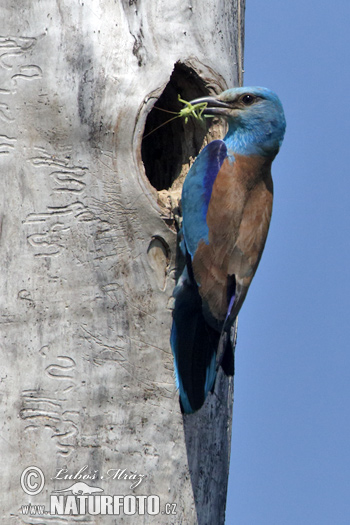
[[167, 147]]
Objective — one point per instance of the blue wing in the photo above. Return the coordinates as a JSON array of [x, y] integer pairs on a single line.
[[195, 332], [196, 193]]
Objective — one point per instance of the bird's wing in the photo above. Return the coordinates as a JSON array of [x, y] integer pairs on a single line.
[[195, 333], [237, 218], [196, 194], [211, 253]]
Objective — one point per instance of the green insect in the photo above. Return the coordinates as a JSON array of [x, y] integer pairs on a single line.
[[190, 110]]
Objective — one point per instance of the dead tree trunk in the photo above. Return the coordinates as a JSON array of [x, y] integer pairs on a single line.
[[89, 256]]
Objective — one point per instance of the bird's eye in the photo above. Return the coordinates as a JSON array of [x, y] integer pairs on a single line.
[[248, 99]]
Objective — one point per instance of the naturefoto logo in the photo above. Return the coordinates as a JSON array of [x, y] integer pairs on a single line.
[[82, 498], [81, 488]]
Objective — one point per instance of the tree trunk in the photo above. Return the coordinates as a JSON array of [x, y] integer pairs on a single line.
[[89, 255]]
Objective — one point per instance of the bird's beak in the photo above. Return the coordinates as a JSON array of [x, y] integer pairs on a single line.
[[214, 107]]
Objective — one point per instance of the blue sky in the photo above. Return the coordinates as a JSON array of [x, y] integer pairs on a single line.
[[290, 459]]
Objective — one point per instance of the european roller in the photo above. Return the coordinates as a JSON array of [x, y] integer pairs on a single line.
[[226, 207]]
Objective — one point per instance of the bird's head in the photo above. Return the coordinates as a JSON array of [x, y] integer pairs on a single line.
[[255, 118]]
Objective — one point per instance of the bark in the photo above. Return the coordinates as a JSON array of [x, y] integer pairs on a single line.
[[89, 254]]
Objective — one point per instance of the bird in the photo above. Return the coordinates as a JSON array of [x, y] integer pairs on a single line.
[[226, 210]]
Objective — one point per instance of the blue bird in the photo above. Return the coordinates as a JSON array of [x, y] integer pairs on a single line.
[[226, 207]]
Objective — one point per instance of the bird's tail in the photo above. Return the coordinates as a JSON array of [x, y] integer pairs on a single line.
[[194, 344]]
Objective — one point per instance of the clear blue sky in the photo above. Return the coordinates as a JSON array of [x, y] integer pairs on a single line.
[[290, 462]]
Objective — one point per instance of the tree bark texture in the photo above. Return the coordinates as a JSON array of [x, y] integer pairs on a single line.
[[89, 255]]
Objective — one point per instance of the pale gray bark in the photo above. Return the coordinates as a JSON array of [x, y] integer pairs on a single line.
[[88, 253]]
